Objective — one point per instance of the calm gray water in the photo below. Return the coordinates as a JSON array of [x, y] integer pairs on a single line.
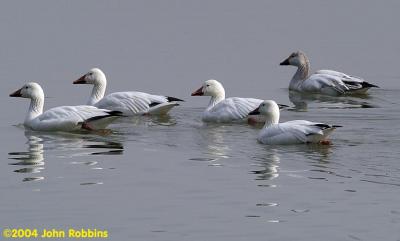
[[175, 178]]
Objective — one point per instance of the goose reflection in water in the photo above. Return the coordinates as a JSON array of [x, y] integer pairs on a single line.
[[268, 159], [215, 143], [32, 160], [149, 120], [269, 164], [301, 101], [61, 145], [212, 143]]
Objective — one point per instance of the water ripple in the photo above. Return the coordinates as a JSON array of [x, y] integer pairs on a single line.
[[59, 145]]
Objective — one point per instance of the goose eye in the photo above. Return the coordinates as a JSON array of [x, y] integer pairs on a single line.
[[208, 85], [26, 87]]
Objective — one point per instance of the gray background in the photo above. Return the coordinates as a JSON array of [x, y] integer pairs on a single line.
[[171, 47]]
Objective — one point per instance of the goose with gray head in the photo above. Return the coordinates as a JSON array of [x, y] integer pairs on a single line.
[[290, 132], [129, 102], [62, 118], [224, 110], [327, 82]]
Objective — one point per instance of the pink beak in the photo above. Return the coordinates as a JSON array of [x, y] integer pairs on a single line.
[[198, 92]]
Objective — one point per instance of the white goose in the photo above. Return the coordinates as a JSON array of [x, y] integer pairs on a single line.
[[232, 109], [130, 103], [290, 132], [328, 82], [62, 118]]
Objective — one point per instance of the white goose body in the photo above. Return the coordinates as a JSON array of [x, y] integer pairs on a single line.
[[130, 102], [225, 110], [62, 118], [290, 132], [327, 82]]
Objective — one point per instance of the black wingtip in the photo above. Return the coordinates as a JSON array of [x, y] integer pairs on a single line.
[[85, 123], [368, 85], [326, 126], [323, 126], [115, 113], [282, 106], [152, 104], [170, 99]]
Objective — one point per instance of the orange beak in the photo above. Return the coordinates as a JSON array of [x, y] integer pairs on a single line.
[[81, 80], [198, 92], [16, 93]]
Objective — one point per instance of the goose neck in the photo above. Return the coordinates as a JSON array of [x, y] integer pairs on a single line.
[[35, 108], [97, 94], [215, 100], [272, 119], [303, 70]]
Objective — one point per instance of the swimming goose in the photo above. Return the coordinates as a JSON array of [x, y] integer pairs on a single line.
[[130, 103], [62, 118], [328, 82], [290, 132], [232, 109]]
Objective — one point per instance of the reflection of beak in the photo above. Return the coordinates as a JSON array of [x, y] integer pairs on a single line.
[[285, 62], [282, 106], [16, 93], [255, 112], [81, 80], [198, 92]]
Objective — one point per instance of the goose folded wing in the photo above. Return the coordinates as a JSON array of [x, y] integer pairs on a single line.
[[302, 128], [66, 117], [351, 81], [136, 102], [284, 133], [235, 108], [320, 81]]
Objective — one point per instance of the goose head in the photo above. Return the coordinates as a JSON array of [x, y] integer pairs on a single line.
[[297, 58], [267, 108], [30, 90], [95, 77], [211, 88]]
